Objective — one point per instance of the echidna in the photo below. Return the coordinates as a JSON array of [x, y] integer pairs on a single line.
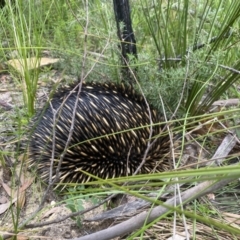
[[110, 136]]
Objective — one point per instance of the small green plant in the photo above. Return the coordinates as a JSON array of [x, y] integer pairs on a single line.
[[75, 200], [206, 210]]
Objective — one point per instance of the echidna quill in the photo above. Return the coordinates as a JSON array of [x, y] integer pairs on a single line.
[[110, 136]]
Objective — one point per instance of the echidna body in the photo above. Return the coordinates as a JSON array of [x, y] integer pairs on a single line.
[[110, 136]]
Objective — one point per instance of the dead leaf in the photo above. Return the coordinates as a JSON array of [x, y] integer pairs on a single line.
[[50, 212], [21, 194], [211, 197], [4, 207], [18, 237], [3, 199], [30, 63], [7, 189], [21, 200], [21, 237], [226, 103], [26, 184]]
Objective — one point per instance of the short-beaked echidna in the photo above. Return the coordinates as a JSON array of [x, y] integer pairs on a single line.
[[110, 135]]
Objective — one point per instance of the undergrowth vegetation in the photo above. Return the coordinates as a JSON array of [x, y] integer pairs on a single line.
[[188, 58]]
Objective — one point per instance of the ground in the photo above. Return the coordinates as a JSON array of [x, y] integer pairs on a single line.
[[30, 188]]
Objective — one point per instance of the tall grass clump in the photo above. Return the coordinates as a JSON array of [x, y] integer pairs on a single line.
[[189, 47]]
